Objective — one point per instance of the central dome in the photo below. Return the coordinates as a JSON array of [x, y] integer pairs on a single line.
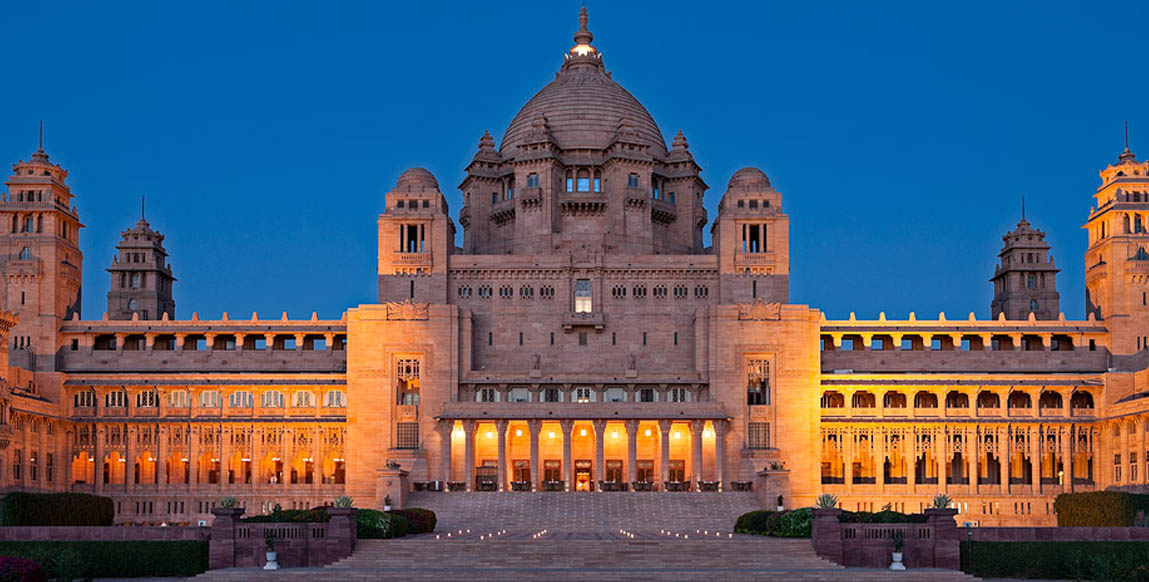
[[583, 107]]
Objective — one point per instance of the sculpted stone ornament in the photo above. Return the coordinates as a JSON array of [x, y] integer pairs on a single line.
[[407, 310], [759, 311]]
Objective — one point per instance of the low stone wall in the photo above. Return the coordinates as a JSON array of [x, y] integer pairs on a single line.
[[1056, 534], [934, 544], [102, 534], [235, 544]]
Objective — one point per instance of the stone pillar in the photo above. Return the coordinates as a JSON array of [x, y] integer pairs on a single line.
[[316, 455], [445, 428], [469, 455], [599, 450], [193, 458], [1141, 452], [222, 550], [161, 457], [224, 449], [696, 449], [941, 457], [880, 465], [974, 449], [631, 451], [130, 458], [1068, 444], [910, 451], [67, 456], [848, 434], [1005, 452], [501, 431], [826, 535], [568, 469], [535, 426], [256, 458], [98, 454], [720, 453], [1035, 447], [664, 451]]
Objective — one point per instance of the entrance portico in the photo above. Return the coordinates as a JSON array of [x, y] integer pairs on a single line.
[[583, 454]]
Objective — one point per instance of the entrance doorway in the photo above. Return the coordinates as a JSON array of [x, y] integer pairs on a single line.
[[583, 476]]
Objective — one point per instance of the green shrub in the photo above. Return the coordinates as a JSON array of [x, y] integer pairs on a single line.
[[16, 569], [752, 522], [796, 523], [291, 516], [884, 516], [421, 520], [68, 509], [374, 524], [1100, 509], [120, 559], [1057, 560]]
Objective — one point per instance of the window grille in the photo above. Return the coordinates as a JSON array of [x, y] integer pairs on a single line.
[[758, 435], [407, 435]]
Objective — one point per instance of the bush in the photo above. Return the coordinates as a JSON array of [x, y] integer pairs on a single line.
[[1100, 509], [1057, 560], [421, 520], [67, 509], [796, 523], [374, 524], [16, 569], [291, 516], [752, 522], [120, 559], [884, 516]]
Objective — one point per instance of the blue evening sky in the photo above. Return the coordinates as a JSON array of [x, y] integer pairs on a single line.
[[265, 135]]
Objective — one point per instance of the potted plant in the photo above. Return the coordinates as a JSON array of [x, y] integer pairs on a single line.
[[826, 501], [227, 502], [343, 501], [269, 544], [899, 541], [387, 503], [942, 501]]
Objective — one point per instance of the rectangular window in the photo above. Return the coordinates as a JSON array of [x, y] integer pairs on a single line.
[[583, 395], [758, 435], [583, 303], [678, 395], [552, 395], [644, 338], [646, 395], [406, 435], [676, 338], [582, 338], [877, 344], [965, 344], [552, 471], [613, 338]]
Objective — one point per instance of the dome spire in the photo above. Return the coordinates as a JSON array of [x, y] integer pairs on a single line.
[[583, 37], [1127, 156]]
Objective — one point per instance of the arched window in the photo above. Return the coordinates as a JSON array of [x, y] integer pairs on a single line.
[[955, 399], [925, 399], [132, 305], [25, 254], [570, 181], [863, 399], [1019, 400], [894, 400], [1049, 399], [987, 399], [833, 399], [29, 223], [1033, 305], [532, 180], [597, 181], [1081, 399], [632, 181], [583, 184]]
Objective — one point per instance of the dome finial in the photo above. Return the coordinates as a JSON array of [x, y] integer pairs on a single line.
[[583, 37]]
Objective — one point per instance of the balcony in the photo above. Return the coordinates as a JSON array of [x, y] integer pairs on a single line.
[[573, 319], [175, 361], [906, 361], [584, 410], [754, 259], [411, 259], [406, 412]]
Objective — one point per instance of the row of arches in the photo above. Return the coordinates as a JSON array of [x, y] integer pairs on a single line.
[[1047, 399]]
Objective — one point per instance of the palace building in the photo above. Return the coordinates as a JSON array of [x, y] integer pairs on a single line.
[[583, 338]]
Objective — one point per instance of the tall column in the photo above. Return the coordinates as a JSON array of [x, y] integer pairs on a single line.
[[941, 457], [534, 426], [568, 470], [599, 450], [224, 451], [316, 450], [287, 445], [193, 456], [98, 470], [974, 459], [696, 449], [469, 454], [1068, 445], [68, 456], [1035, 446], [880, 464], [501, 430], [848, 434], [256, 458], [1005, 453], [631, 451], [1141, 453], [910, 451], [129, 458], [664, 451], [720, 453], [445, 429]]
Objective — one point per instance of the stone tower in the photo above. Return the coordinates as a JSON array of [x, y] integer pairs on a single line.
[[141, 277], [752, 240], [1025, 280], [41, 258], [1117, 260], [415, 236]]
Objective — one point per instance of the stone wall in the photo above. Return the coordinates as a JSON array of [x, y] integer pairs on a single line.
[[235, 544], [934, 544], [102, 534]]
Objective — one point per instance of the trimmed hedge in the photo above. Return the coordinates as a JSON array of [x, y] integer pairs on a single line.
[[796, 523], [1100, 509], [884, 516], [68, 509], [374, 524], [421, 520], [291, 516], [1057, 560], [86, 560], [15, 569]]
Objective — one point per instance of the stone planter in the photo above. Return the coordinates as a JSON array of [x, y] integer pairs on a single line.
[[456, 486], [272, 561], [897, 565]]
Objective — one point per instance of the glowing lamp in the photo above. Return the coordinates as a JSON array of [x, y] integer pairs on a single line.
[[551, 434], [518, 432], [582, 432], [648, 432]]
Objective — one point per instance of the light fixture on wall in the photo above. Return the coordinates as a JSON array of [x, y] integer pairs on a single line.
[[551, 434], [648, 432], [518, 432], [490, 434], [582, 432], [614, 434]]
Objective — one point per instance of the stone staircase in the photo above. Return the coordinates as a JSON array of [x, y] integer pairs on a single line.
[[580, 536]]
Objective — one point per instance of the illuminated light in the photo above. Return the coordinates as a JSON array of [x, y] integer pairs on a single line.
[[276, 459], [551, 434], [338, 459], [518, 432], [614, 434], [490, 434], [677, 435], [185, 459], [121, 460], [648, 432], [582, 432], [245, 459]]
